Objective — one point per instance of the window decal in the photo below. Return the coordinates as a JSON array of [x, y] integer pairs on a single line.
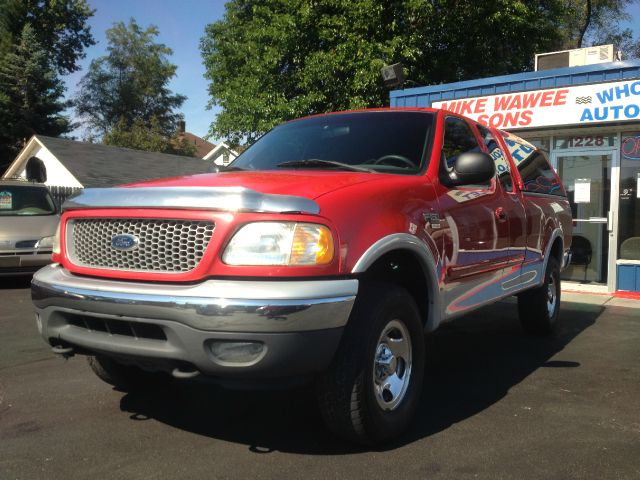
[[6, 201]]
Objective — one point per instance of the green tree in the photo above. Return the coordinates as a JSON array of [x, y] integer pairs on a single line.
[[150, 137], [30, 95], [273, 60], [595, 22], [39, 40], [129, 85], [59, 25]]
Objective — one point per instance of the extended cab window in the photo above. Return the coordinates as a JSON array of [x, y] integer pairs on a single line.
[[502, 164], [534, 168]]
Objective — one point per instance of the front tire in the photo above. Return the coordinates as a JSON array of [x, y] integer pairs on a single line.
[[539, 308], [371, 391]]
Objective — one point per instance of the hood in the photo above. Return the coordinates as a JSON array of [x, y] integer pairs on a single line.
[[26, 227], [308, 184]]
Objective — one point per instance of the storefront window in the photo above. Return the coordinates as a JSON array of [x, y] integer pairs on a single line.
[[579, 142], [541, 142], [629, 208]]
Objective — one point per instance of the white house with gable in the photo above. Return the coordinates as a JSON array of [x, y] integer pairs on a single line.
[[221, 155]]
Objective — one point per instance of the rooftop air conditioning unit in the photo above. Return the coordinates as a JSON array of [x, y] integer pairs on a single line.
[[576, 57]]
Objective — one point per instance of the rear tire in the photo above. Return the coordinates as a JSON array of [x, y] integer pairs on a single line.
[[371, 391], [539, 308], [123, 377]]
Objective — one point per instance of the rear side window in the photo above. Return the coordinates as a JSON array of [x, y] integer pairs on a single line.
[[502, 164], [534, 168], [458, 138]]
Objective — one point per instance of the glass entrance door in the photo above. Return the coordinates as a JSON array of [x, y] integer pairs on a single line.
[[587, 179]]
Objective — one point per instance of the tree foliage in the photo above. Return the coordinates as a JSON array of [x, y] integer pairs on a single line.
[[39, 40], [59, 25], [150, 137], [130, 85], [596, 22], [272, 60], [30, 95]]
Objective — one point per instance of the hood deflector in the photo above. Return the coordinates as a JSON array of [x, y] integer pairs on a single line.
[[229, 199]]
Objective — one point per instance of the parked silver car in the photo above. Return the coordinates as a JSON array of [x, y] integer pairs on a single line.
[[28, 223]]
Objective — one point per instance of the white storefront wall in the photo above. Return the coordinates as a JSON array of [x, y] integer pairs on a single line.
[[580, 105]]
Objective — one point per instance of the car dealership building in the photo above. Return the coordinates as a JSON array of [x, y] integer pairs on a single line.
[[588, 120]]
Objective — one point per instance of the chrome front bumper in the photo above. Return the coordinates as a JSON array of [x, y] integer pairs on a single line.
[[298, 322]]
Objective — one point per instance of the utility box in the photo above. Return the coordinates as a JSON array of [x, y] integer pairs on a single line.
[[576, 57]]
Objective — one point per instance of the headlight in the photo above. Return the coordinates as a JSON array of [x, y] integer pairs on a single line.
[[46, 242], [52, 242], [280, 243]]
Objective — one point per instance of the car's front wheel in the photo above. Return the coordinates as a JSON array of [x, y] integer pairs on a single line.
[[370, 393]]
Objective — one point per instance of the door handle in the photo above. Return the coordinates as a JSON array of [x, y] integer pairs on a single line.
[[610, 219], [501, 215]]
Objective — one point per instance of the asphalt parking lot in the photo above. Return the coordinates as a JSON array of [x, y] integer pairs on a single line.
[[497, 404]]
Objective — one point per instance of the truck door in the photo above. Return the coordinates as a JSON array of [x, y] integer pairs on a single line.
[[512, 211], [476, 243]]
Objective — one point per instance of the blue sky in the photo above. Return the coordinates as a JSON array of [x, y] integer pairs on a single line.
[[634, 21], [181, 24]]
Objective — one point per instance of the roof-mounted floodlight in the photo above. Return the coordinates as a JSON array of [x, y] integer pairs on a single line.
[[392, 75]]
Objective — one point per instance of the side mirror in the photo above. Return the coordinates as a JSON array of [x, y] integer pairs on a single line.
[[213, 168], [472, 168]]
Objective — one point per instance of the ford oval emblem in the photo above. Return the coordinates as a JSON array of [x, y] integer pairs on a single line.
[[124, 242]]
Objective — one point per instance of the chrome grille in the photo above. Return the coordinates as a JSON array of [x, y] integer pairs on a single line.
[[171, 246]]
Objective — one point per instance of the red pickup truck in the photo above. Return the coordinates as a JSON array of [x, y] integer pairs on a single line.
[[323, 253]]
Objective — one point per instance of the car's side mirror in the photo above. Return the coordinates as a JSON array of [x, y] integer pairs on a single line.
[[472, 168], [213, 168]]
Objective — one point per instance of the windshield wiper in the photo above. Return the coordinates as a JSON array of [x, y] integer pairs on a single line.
[[231, 168], [317, 162], [221, 168]]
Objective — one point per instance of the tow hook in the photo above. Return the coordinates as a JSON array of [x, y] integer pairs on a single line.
[[66, 352], [184, 374]]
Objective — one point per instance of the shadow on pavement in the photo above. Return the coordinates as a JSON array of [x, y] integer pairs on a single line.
[[15, 282], [471, 364]]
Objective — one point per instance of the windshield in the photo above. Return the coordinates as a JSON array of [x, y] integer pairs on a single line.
[[25, 200], [390, 142]]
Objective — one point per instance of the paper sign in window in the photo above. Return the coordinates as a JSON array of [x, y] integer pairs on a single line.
[[582, 190], [6, 201]]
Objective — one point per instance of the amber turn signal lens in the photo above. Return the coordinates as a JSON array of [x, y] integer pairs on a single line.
[[312, 244]]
